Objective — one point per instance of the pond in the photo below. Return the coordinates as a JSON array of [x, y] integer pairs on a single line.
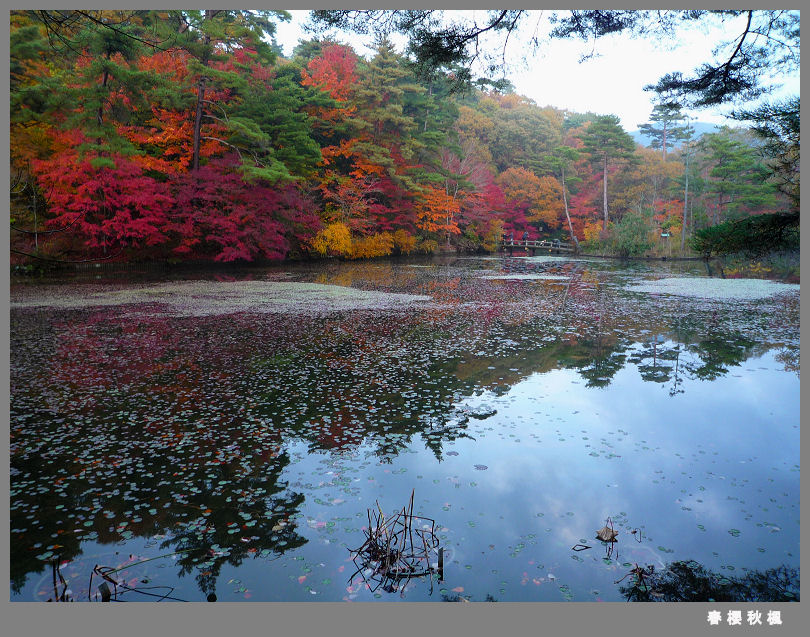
[[239, 435]]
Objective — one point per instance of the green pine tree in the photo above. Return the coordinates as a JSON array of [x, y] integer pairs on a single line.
[[607, 142]]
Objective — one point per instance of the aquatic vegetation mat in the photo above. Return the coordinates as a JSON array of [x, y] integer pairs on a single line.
[[526, 277], [206, 298], [702, 287]]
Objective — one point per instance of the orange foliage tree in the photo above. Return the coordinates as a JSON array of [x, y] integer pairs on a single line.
[[436, 211], [549, 209]]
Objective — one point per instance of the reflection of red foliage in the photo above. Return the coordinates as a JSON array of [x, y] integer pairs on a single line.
[[143, 357], [88, 356], [341, 432]]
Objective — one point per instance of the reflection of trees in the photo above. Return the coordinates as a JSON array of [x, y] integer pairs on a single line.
[[716, 354], [657, 361], [150, 406], [601, 368], [237, 528], [196, 498], [689, 581], [349, 386], [596, 360], [691, 353], [789, 357], [150, 439], [598, 353]]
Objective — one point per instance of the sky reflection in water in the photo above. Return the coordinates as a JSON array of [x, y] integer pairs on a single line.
[[253, 444]]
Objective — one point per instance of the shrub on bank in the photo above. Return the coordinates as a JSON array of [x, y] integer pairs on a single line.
[[375, 245], [335, 239], [631, 236], [404, 243]]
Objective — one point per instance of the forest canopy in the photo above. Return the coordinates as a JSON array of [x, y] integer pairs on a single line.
[[187, 135]]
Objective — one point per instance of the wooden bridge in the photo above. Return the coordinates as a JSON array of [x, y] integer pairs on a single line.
[[535, 246]]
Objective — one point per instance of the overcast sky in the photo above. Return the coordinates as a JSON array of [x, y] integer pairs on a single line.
[[611, 83]]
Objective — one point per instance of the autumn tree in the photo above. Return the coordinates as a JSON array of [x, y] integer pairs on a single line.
[[644, 186], [29, 129], [111, 206], [558, 162], [532, 199], [436, 212], [381, 149], [96, 189], [220, 216], [208, 36], [334, 71]]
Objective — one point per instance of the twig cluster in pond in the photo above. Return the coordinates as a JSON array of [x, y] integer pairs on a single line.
[[394, 551]]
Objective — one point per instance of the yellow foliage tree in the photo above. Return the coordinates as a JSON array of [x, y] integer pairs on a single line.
[[492, 235], [404, 243], [334, 239], [376, 245], [541, 196], [519, 184], [591, 231]]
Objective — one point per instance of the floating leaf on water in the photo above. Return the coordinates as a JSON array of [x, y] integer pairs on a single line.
[[607, 534]]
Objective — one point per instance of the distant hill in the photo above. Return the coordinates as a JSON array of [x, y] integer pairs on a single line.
[[701, 128]]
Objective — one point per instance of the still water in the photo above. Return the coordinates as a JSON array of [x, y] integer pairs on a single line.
[[233, 434]]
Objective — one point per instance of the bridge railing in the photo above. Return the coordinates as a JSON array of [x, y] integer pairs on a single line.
[[534, 243]]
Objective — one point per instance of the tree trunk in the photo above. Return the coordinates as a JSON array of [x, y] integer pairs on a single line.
[[685, 200], [195, 162], [427, 108], [100, 112], [198, 124], [604, 193], [568, 216], [36, 235]]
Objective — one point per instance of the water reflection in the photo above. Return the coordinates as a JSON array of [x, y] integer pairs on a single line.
[[177, 432], [690, 581]]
